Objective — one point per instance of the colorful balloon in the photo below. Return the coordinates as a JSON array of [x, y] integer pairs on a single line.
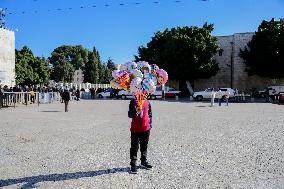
[[140, 78], [115, 74], [135, 85], [124, 80], [144, 67], [162, 77], [149, 86], [131, 66], [154, 67], [136, 73]]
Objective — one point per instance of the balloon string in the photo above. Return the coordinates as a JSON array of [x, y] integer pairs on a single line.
[[140, 99]]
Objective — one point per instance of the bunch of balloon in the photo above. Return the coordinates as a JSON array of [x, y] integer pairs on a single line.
[[140, 78]]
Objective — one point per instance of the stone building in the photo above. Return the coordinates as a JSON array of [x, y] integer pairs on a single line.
[[232, 67], [7, 57], [78, 77]]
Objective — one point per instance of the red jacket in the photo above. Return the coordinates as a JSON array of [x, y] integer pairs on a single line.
[[139, 124]]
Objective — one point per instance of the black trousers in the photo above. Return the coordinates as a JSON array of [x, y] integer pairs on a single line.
[[141, 138], [66, 105]]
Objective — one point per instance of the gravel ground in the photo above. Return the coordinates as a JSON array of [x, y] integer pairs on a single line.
[[192, 145]]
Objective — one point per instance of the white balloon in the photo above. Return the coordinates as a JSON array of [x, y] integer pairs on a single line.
[[115, 73], [154, 79], [131, 66], [135, 85], [142, 65], [149, 85], [136, 73]]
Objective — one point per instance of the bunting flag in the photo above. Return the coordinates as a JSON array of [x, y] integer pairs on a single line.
[[62, 9]]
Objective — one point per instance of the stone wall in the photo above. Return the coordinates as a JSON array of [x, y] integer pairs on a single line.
[[232, 67], [223, 77], [241, 80], [7, 57]]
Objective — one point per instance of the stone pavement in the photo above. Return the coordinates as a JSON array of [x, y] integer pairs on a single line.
[[192, 145]]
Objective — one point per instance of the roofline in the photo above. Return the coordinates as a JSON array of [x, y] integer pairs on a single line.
[[234, 34]]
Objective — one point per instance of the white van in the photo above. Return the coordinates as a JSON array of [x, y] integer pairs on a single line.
[[127, 95], [275, 90], [206, 94]]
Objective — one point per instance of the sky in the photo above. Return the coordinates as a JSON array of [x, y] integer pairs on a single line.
[[118, 27]]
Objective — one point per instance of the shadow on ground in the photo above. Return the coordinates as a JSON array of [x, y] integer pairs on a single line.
[[50, 111], [29, 182]]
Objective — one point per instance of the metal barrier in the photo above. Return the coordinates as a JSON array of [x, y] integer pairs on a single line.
[[13, 98], [242, 98], [25, 98]]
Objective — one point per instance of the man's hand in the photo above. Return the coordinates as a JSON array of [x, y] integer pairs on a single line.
[[138, 109]]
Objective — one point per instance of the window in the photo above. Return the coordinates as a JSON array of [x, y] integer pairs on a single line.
[[209, 89]]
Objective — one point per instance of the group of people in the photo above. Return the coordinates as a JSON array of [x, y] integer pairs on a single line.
[[221, 96]]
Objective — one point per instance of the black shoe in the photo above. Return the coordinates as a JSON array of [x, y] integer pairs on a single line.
[[133, 170], [146, 165]]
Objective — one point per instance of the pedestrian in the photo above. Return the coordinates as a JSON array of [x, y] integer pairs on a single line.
[[77, 93], [66, 98], [1, 96], [266, 95], [60, 93], [273, 95], [92, 90], [26, 91], [220, 96], [32, 93], [227, 96], [141, 125], [213, 95]]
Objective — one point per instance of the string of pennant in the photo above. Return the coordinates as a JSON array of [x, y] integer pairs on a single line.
[[89, 6]]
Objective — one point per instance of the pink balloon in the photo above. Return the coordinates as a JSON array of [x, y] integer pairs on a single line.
[[162, 76], [115, 73]]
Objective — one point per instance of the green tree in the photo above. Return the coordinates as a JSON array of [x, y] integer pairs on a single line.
[[2, 17], [91, 73], [265, 53], [30, 70], [62, 71], [110, 66], [101, 68], [71, 58], [104, 72], [185, 52]]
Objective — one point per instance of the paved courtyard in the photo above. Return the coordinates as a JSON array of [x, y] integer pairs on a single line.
[[192, 145]]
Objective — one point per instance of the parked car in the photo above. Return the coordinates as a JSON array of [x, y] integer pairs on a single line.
[[206, 94], [275, 90], [281, 98], [171, 92], [127, 95], [108, 93], [231, 92], [124, 95], [259, 93]]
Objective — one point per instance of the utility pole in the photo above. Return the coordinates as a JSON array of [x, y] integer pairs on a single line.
[[2, 17], [232, 63]]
